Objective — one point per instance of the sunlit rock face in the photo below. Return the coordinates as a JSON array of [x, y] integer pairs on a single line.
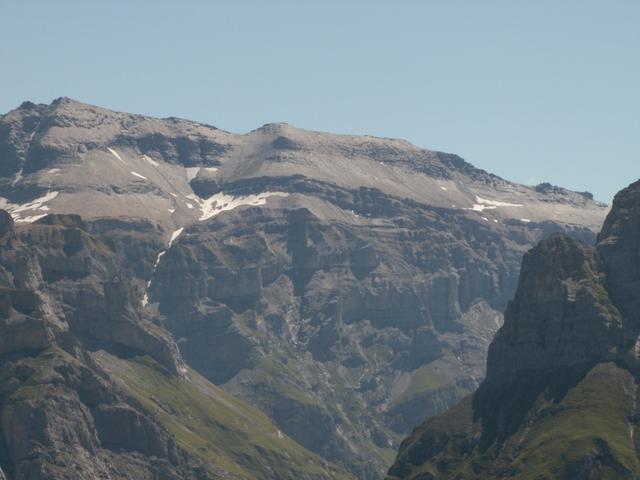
[[347, 286], [559, 397]]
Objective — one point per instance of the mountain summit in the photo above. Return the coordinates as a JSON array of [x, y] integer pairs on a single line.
[[347, 286], [127, 164], [559, 398]]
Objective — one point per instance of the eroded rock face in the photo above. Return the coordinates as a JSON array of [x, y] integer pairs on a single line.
[[59, 413], [56, 273], [67, 316], [60, 417], [348, 286], [619, 247], [337, 321], [564, 362], [561, 315]]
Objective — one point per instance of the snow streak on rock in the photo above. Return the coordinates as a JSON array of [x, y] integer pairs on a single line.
[[221, 202], [192, 172], [117, 155], [486, 204], [174, 236], [150, 160], [139, 175], [17, 210]]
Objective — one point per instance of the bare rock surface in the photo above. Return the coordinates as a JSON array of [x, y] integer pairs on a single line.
[[560, 396], [347, 286]]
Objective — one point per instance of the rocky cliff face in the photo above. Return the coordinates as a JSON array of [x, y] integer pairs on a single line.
[[75, 348], [559, 398], [347, 286]]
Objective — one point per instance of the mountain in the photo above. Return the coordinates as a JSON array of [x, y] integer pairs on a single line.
[[91, 387], [346, 286], [560, 396]]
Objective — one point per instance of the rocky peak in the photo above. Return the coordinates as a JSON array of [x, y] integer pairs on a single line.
[[574, 303], [554, 191], [561, 315], [27, 105], [277, 128], [619, 247]]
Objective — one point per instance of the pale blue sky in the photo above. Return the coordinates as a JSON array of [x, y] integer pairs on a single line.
[[544, 90]]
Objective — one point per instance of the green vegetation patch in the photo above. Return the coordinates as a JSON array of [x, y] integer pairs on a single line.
[[215, 426], [424, 380], [591, 422]]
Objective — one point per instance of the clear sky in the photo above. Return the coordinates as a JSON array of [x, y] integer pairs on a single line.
[[545, 90]]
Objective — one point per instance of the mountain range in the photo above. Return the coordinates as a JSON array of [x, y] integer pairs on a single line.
[[183, 302]]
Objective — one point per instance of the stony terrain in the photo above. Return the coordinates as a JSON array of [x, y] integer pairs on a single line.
[[91, 386], [560, 396], [346, 286]]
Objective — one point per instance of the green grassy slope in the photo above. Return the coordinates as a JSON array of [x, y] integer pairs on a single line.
[[589, 429], [217, 427]]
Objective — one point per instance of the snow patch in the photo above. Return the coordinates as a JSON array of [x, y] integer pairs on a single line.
[[171, 210], [155, 265], [486, 204], [443, 188], [221, 202], [211, 169], [525, 220], [192, 172], [496, 203], [138, 175], [175, 235], [485, 219], [34, 204], [150, 160], [16, 210], [116, 154], [480, 208], [53, 170]]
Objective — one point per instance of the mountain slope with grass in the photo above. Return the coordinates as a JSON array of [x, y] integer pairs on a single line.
[[560, 396], [91, 386]]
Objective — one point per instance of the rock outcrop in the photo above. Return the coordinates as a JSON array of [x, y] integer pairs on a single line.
[[67, 318], [347, 286], [559, 398]]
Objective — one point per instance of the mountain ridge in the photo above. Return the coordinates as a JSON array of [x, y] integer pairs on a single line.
[[346, 286], [64, 105]]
